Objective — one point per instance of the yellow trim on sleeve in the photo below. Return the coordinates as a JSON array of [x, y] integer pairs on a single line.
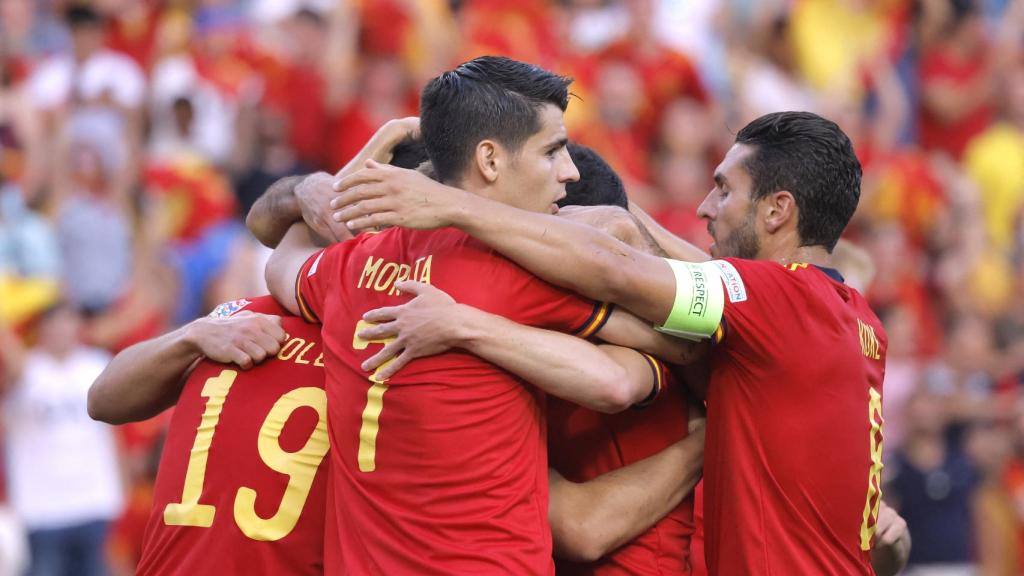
[[304, 310], [596, 320]]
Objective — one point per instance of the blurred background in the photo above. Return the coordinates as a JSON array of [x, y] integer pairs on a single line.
[[135, 134]]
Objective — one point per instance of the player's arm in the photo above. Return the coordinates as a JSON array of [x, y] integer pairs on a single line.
[[674, 246], [625, 329], [565, 253], [145, 379], [605, 378], [283, 267], [892, 543], [307, 197], [590, 519]]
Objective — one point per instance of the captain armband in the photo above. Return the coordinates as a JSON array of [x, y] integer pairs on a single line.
[[700, 301]]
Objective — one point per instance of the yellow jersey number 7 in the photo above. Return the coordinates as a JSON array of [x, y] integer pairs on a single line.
[[296, 465], [367, 457]]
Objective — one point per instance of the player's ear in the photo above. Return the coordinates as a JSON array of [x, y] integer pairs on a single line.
[[780, 209], [487, 159]]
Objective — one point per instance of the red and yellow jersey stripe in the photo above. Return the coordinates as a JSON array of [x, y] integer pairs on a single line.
[[596, 321]]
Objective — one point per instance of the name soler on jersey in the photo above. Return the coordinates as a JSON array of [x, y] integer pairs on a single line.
[[300, 350]]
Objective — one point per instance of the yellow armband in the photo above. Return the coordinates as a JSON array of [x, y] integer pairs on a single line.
[[700, 301]]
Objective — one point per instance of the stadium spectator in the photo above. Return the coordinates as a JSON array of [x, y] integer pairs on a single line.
[[93, 227], [957, 88], [208, 98], [931, 483], [63, 475], [92, 93]]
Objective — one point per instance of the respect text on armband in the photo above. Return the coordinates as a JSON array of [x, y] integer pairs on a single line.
[[699, 304]]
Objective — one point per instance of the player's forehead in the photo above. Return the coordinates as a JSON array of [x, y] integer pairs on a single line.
[[552, 128], [732, 170]]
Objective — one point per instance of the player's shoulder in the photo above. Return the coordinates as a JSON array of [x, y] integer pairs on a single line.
[[771, 269], [741, 277]]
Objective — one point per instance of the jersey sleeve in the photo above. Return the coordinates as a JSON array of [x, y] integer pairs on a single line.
[[315, 280], [659, 379], [746, 311], [528, 300]]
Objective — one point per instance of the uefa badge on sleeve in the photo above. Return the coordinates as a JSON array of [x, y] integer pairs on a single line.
[[229, 308]]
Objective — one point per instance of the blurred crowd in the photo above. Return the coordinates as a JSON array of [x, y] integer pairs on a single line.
[[135, 134]]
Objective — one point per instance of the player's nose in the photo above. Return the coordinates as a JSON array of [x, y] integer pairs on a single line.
[[706, 209], [568, 171]]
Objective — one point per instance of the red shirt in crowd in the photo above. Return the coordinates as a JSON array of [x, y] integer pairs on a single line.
[[942, 67]]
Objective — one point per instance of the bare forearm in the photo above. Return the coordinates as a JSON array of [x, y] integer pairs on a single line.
[[601, 379], [674, 246], [275, 211], [307, 198], [625, 329], [571, 255], [143, 380], [590, 520], [284, 264]]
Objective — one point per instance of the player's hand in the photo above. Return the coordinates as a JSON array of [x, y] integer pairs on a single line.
[[245, 339], [401, 129], [383, 195], [892, 542], [314, 195], [890, 527], [421, 327]]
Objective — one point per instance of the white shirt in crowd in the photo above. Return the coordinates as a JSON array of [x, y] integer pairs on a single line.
[[105, 72], [62, 466]]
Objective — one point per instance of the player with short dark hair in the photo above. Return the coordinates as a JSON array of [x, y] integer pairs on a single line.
[[489, 97], [650, 534], [447, 472], [442, 468], [793, 460], [811, 158]]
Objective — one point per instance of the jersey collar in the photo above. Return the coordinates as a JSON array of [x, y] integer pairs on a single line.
[[832, 273]]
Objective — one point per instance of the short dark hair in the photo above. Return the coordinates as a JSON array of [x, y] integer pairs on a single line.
[[82, 15], [811, 158], [409, 153], [599, 184], [487, 97], [310, 16]]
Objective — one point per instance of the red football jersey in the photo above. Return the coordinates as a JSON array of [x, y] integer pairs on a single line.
[[793, 453], [443, 469], [241, 487], [585, 444]]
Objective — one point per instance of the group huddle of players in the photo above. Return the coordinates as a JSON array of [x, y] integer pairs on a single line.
[[453, 376]]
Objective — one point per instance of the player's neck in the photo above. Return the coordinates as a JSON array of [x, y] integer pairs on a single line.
[[815, 255], [469, 184]]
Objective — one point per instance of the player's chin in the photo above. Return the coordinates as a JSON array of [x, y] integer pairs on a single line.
[[554, 208], [713, 250]]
